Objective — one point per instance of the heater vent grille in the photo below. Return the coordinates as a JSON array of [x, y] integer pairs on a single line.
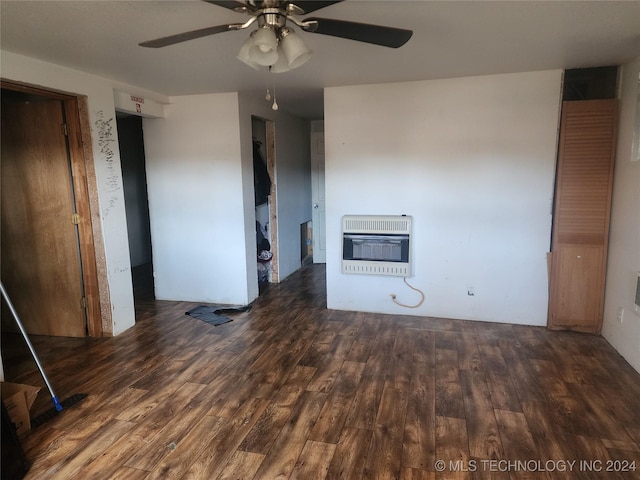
[[377, 224], [376, 268]]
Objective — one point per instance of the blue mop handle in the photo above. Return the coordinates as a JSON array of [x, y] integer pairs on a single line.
[[54, 398], [56, 402]]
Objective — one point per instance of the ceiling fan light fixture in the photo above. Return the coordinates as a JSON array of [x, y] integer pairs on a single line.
[[265, 47], [244, 53], [295, 50]]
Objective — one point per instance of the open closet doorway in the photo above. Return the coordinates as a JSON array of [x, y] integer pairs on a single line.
[[263, 135], [134, 178]]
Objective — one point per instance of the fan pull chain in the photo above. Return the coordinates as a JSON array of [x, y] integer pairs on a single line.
[[268, 97], [275, 103], [274, 106]]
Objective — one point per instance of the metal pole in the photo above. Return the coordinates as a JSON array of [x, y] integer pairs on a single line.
[[33, 352]]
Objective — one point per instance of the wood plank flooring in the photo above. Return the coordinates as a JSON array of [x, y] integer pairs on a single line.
[[291, 390]]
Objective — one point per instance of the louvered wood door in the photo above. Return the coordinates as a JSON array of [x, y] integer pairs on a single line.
[[581, 214]]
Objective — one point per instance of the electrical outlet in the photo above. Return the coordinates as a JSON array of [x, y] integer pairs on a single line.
[[621, 314]]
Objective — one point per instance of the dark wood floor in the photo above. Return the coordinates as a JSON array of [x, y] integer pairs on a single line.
[[293, 390]]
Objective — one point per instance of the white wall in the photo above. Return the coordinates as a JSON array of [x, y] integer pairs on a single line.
[[100, 94], [293, 172], [201, 202], [473, 161], [624, 237], [196, 200]]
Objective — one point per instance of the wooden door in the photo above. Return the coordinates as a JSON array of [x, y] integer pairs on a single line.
[[273, 199], [581, 215], [40, 254]]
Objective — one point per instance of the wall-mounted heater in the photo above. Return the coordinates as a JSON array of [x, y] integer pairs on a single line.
[[376, 245]]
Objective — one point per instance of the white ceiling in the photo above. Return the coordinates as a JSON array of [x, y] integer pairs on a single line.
[[451, 39]]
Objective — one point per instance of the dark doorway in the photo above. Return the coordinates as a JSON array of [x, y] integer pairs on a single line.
[[134, 177], [590, 83]]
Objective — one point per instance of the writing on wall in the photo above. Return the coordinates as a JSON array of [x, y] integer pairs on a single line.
[[105, 132]]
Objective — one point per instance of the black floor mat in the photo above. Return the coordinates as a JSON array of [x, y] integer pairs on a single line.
[[213, 314]]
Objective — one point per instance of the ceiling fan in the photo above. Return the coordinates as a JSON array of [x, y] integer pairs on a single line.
[[274, 44]]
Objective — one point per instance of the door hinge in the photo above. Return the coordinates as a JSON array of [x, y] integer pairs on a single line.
[[65, 129], [75, 219], [83, 303]]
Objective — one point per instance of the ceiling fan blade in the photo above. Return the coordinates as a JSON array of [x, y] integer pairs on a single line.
[[312, 6], [231, 5], [361, 32], [183, 37]]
